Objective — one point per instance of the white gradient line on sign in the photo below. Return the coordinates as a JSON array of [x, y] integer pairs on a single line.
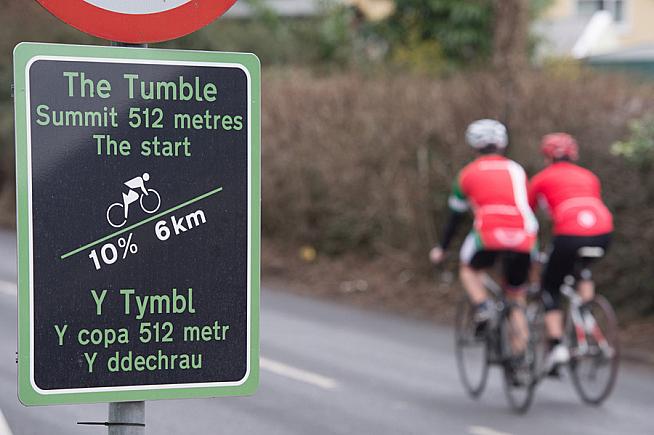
[[297, 374]]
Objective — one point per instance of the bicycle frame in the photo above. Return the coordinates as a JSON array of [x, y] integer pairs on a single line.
[[492, 286], [583, 322], [518, 373], [499, 354], [587, 342]]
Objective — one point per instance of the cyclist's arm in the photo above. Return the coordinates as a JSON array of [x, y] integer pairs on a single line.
[[532, 193], [537, 199], [449, 230], [136, 183], [458, 205]]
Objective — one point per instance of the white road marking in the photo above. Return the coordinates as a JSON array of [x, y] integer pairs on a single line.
[[7, 288], [482, 430], [298, 374], [4, 426]]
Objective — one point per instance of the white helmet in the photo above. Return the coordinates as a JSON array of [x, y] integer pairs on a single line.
[[486, 132]]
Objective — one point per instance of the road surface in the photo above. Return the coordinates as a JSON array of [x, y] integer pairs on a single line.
[[330, 369]]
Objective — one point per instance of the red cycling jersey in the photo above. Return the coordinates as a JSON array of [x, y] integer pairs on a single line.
[[496, 188], [572, 195]]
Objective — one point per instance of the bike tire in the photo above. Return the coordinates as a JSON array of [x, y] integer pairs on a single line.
[[538, 334], [519, 395], [598, 305], [464, 326], [115, 204], [150, 210]]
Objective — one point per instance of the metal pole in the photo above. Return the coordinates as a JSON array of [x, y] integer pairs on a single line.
[[126, 418]]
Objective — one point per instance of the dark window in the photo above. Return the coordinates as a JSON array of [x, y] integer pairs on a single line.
[[587, 8]]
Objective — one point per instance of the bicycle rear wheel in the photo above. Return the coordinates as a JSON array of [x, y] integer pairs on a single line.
[[520, 368], [595, 351], [471, 351]]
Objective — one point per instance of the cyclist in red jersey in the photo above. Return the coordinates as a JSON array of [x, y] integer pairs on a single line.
[[495, 187], [572, 196]]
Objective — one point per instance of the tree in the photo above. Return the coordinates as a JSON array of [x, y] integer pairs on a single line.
[[461, 31], [510, 50]]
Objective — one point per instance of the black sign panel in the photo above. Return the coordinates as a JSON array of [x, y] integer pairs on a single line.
[[140, 198]]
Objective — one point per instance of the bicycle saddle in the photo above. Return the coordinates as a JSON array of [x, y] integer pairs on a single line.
[[590, 252]]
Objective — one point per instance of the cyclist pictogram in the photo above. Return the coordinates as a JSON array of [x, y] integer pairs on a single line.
[[149, 200]]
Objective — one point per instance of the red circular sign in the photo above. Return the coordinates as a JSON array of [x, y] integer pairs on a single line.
[[137, 21]]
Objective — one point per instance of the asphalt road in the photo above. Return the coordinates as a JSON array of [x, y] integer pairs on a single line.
[[329, 369]]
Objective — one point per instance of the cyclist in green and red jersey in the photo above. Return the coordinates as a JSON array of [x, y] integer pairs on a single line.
[[572, 196], [495, 188]]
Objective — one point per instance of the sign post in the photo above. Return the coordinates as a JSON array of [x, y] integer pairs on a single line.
[[126, 418], [135, 24], [138, 224]]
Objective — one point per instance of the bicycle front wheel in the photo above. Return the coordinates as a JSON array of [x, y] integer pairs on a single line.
[[595, 351], [471, 350], [115, 215]]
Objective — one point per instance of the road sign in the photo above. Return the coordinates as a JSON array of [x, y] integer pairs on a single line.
[[137, 21], [138, 223]]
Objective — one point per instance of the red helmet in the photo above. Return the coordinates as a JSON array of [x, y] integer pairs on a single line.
[[559, 145]]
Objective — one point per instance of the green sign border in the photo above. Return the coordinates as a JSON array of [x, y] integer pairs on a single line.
[[23, 53]]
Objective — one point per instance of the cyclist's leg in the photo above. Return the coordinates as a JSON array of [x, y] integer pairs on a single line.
[[516, 266], [128, 199], [559, 264], [585, 284], [473, 261]]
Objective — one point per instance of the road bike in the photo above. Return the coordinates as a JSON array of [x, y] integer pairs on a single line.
[[476, 350], [591, 334], [149, 203]]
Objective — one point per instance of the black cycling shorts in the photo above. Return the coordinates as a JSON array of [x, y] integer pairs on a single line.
[[515, 265], [564, 260]]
